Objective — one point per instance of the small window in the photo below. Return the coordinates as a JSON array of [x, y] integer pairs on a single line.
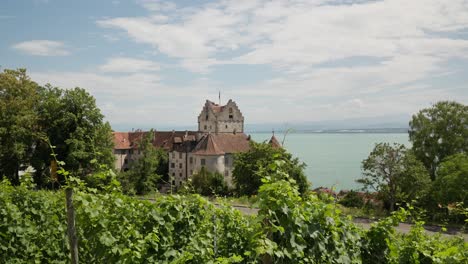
[[203, 162], [172, 165], [230, 110], [231, 116], [125, 161], [226, 126], [173, 155], [173, 182], [206, 117], [173, 174], [180, 175], [190, 160], [180, 165], [180, 155], [206, 127], [226, 160], [226, 173]]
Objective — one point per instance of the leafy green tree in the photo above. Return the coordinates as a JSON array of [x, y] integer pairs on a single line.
[[18, 102], [395, 174], [438, 132], [251, 166], [451, 184], [208, 183], [143, 177], [73, 123]]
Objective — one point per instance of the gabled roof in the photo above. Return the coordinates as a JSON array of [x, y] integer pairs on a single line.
[[208, 146], [274, 142], [222, 143]]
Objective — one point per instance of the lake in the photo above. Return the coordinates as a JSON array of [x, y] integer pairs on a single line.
[[333, 159]]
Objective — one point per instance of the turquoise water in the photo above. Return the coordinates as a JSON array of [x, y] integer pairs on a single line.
[[333, 160]]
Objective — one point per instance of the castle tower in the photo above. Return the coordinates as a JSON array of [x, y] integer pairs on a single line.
[[221, 118]]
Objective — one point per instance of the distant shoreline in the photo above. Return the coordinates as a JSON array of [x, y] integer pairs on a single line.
[[340, 131]]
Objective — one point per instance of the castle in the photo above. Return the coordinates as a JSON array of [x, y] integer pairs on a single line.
[[220, 135]]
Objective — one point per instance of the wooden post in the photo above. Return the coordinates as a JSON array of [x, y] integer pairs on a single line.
[[72, 238]]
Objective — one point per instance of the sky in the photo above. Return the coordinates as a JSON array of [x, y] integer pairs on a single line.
[[152, 63]]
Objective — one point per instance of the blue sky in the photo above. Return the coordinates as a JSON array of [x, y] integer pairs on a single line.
[[154, 63]]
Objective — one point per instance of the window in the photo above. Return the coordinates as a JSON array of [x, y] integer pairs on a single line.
[[173, 174], [180, 174], [172, 165], [226, 160], [206, 117], [180, 165], [180, 155], [190, 160], [203, 162], [230, 110], [231, 116], [130, 152], [206, 127], [173, 155], [226, 173], [226, 126], [125, 161]]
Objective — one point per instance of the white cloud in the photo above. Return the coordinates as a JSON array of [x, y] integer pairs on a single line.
[[299, 34], [124, 64], [42, 48], [408, 44]]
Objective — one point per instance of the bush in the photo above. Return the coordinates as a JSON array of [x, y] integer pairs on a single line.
[[208, 183], [352, 199]]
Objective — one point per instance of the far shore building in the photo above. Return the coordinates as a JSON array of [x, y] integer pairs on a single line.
[[220, 135]]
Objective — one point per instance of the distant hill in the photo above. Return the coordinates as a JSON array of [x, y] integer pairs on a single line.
[[383, 124]]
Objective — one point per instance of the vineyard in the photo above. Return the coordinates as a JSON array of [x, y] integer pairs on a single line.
[[289, 228]]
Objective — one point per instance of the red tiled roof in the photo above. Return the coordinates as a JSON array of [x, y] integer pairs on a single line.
[[162, 139], [219, 144], [121, 140]]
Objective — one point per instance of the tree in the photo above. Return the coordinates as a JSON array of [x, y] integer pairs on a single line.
[[208, 183], [251, 166], [451, 184], [73, 123], [18, 102], [142, 177], [395, 174], [438, 132]]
